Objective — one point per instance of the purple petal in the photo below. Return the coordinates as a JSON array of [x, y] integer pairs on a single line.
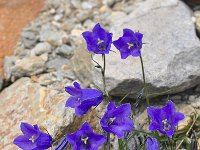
[[154, 113], [171, 132], [24, 143], [96, 141], [77, 85], [73, 91], [139, 36], [168, 111], [91, 41], [154, 126], [122, 44], [99, 32], [152, 144], [123, 110], [72, 102], [44, 141], [128, 33], [136, 52], [86, 127], [62, 144], [28, 129], [84, 107], [121, 125], [124, 55], [178, 117], [111, 106], [90, 94]]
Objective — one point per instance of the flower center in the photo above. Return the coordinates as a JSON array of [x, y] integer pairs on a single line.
[[166, 125], [84, 140], [111, 120], [32, 138], [101, 45], [135, 44], [129, 45]]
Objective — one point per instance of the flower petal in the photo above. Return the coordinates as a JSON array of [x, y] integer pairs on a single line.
[[91, 40], [128, 33], [123, 110], [77, 85], [28, 129], [44, 141], [152, 144], [91, 94], [24, 143], [139, 36], [154, 126], [72, 102], [73, 91], [136, 52], [96, 140], [99, 32], [154, 113], [111, 106], [178, 117]]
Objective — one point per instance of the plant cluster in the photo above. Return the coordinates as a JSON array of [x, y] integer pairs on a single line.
[[116, 120]]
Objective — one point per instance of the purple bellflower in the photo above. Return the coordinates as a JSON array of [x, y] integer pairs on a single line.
[[85, 139], [152, 144], [116, 120], [98, 41], [129, 44], [164, 119], [82, 99], [32, 138]]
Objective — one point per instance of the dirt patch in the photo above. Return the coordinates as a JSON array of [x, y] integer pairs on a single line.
[[14, 15]]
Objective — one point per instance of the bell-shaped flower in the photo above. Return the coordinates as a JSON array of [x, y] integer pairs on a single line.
[[129, 44], [152, 144], [164, 119], [117, 119], [32, 138], [82, 99], [85, 139], [98, 41]]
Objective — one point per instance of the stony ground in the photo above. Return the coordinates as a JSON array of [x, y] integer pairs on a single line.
[[14, 15], [52, 54]]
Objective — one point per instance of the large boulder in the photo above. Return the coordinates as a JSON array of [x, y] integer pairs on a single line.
[[171, 59], [27, 101]]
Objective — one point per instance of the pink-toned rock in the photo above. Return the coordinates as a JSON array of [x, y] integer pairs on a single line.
[[27, 101]]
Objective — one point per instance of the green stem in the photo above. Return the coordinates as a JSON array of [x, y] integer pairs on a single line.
[[103, 76], [144, 80], [103, 72]]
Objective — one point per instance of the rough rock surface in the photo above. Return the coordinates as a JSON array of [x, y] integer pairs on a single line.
[[28, 66], [28, 101], [171, 59]]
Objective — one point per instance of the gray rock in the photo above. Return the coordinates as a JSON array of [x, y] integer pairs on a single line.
[[83, 15], [87, 5], [41, 48], [56, 63], [51, 35], [55, 3], [171, 60], [28, 66], [1, 82], [65, 51], [9, 62], [76, 4], [29, 38]]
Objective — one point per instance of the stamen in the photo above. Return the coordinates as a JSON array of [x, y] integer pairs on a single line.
[[166, 125], [100, 41], [32, 139], [111, 120], [84, 140], [130, 45]]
